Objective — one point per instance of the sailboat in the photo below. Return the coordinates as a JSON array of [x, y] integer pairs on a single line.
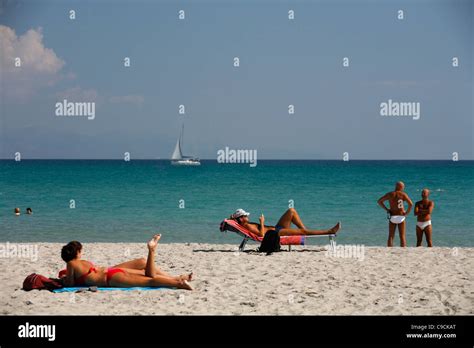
[[177, 158]]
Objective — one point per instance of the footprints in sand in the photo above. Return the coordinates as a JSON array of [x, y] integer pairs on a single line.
[[314, 294], [388, 309], [251, 304]]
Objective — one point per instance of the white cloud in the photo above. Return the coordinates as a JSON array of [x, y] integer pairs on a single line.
[[40, 66], [132, 99]]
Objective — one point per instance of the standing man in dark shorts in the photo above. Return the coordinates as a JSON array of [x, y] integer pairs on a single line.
[[423, 210], [397, 213]]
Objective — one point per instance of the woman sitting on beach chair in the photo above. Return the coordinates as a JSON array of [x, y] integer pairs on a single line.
[[139, 272], [283, 226]]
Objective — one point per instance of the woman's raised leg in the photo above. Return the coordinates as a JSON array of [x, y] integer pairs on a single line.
[[291, 216], [151, 270]]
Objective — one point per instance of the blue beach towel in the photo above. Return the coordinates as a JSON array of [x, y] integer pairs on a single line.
[[78, 288]]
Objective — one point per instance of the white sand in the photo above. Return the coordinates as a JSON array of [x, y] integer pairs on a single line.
[[393, 281]]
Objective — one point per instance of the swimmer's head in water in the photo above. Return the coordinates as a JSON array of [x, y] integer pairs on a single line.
[[399, 186], [71, 251], [29, 211], [17, 211], [425, 193]]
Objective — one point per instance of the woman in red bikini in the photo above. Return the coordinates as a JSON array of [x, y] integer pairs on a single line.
[[139, 272]]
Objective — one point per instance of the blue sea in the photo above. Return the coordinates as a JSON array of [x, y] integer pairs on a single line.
[[118, 201]]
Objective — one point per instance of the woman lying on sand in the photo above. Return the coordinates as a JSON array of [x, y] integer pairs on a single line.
[[283, 226], [139, 272]]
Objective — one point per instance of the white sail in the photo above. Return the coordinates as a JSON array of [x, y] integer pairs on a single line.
[[177, 154], [177, 157]]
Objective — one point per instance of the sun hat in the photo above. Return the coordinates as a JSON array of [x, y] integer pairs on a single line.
[[240, 212]]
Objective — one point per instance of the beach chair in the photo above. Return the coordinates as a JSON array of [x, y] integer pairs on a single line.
[[234, 226]]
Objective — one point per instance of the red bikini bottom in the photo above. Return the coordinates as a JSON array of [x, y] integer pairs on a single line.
[[110, 273]]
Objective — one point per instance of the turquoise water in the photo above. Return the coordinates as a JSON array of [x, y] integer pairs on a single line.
[[128, 201]]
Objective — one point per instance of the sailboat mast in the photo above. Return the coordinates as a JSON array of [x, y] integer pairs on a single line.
[[177, 157], [182, 135]]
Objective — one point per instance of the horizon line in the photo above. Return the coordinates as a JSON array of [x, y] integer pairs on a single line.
[[215, 160]]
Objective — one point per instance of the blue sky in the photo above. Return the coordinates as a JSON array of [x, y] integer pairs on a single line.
[[282, 62]]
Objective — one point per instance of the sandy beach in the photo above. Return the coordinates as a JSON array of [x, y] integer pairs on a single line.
[[306, 281]]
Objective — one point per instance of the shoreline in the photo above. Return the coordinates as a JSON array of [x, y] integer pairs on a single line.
[[305, 281], [249, 246]]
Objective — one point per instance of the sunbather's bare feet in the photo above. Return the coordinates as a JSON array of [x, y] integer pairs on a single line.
[[184, 285], [336, 228], [154, 242], [188, 277]]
